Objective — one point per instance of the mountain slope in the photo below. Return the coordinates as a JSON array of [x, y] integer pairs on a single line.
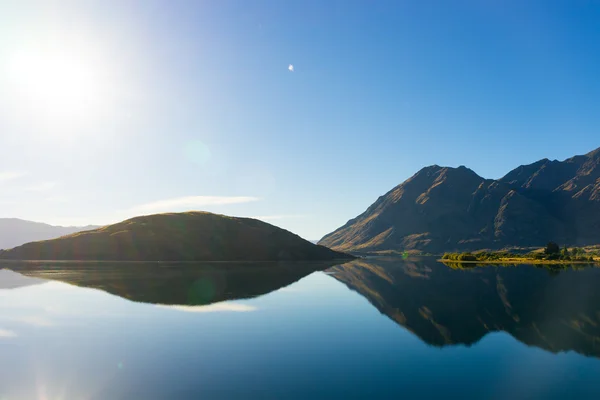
[[191, 236], [15, 232], [441, 209]]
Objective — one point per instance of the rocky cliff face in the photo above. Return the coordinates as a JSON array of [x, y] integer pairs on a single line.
[[442, 209]]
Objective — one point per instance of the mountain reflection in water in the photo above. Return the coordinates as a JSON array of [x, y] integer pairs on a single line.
[[557, 310], [371, 328]]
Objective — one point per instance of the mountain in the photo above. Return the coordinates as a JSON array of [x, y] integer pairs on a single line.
[[554, 310], [190, 236], [446, 209], [15, 232]]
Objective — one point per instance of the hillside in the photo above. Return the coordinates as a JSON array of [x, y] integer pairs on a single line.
[[191, 236], [15, 232], [446, 209]]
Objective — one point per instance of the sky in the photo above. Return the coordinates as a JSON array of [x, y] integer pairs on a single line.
[[300, 113]]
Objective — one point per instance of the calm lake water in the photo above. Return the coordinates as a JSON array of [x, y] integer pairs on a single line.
[[374, 328]]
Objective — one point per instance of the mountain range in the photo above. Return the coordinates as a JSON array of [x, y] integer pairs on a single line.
[[555, 310], [454, 209], [187, 236], [15, 231]]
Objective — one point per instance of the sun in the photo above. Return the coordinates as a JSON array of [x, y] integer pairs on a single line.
[[53, 83]]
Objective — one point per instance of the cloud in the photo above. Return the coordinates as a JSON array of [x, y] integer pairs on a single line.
[[168, 205], [10, 175], [291, 68], [41, 187], [33, 320], [216, 307], [277, 217], [7, 334], [190, 202], [57, 199]]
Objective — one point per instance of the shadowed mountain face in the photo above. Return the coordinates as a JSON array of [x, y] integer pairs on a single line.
[[441, 209], [556, 311], [189, 236], [177, 284], [15, 232]]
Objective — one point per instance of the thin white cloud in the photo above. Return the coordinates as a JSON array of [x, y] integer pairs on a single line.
[[10, 175], [58, 199], [291, 68], [190, 202], [41, 187], [216, 307], [278, 217], [168, 205], [34, 320], [4, 333]]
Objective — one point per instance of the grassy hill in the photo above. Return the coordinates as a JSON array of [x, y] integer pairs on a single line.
[[190, 236]]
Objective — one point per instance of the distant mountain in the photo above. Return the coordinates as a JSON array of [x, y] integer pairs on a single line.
[[442, 209], [554, 310], [190, 236], [15, 232]]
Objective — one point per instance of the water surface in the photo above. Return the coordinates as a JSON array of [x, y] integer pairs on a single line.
[[375, 328]]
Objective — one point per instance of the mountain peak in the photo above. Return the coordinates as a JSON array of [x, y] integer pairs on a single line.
[[435, 168], [462, 169], [594, 153], [445, 209]]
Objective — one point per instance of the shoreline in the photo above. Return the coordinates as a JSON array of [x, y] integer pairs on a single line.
[[521, 261]]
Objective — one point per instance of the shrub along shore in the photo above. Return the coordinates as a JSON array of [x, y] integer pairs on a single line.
[[551, 254]]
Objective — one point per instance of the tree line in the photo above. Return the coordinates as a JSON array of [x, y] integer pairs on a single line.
[[552, 251]]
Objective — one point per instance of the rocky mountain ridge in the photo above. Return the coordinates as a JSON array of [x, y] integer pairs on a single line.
[[444, 209]]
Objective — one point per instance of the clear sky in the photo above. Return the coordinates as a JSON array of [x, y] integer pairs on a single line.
[[298, 112]]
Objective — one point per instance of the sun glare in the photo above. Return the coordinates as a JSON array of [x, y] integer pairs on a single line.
[[53, 83]]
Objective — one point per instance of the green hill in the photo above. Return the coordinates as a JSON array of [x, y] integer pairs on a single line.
[[190, 236]]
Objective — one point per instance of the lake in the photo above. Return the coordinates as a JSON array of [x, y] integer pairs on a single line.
[[370, 328]]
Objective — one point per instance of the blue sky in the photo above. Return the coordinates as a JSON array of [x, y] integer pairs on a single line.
[[111, 109]]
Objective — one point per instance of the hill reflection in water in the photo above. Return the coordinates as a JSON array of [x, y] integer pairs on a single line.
[[556, 310], [185, 284]]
